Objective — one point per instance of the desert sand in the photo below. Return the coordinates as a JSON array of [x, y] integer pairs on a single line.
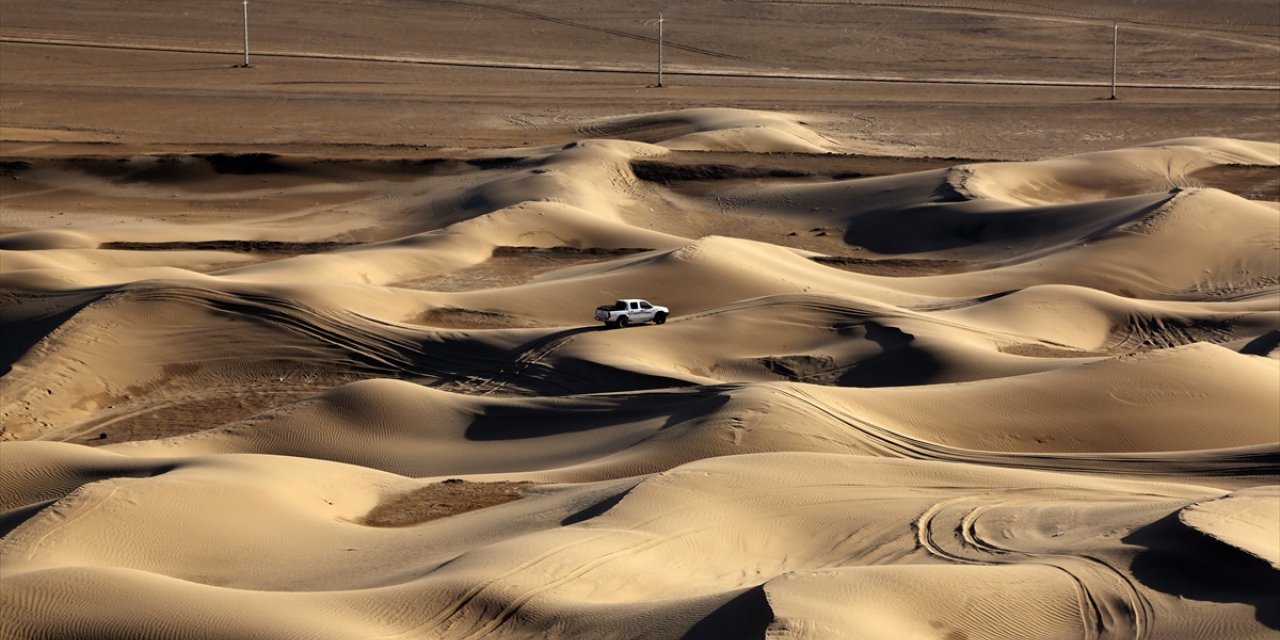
[[957, 349]]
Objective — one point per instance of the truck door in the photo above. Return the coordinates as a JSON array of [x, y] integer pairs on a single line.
[[646, 311], [635, 312]]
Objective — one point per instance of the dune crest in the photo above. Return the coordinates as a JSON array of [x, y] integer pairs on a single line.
[[716, 129], [1244, 519]]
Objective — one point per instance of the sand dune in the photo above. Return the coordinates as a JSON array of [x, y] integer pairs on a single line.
[[715, 130], [1111, 174], [621, 566], [1023, 399]]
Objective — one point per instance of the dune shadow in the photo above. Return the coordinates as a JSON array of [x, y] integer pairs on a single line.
[[23, 331], [1181, 561], [597, 509], [951, 223], [561, 335], [745, 616], [14, 518], [523, 367], [519, 421], [17, 516], [899, 364], [245, 164], [1263, 344]]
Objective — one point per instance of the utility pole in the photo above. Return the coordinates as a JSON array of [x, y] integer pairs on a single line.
[[660, 21], [246, 35], [1115, 55]]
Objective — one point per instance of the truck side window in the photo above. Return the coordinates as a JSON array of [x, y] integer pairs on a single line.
[[635, 305], [645, 305]]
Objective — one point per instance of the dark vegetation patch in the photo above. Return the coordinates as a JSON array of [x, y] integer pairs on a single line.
[[184, 401], [239, 246], [441, 500], [434, 166], [1034, 350], [244, 163], [100, 166], [849, 175], [1140, 335], [679, 167], [179, 418], [505, 252], [894, 266], [13, 167], [195, 167], [669, 172], [1150, 333], [805, 368], [460, 318], [503, 162], [455, 166], [1247, 181]]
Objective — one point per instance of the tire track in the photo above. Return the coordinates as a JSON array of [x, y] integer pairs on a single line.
[[516, 602], [333, 340], [1134, 604], [475, 591], [1144, 333], [1247, 461], [1111, 605], [531, 355]]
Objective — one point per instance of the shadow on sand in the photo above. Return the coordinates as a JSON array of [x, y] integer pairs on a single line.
[[1181, 561]]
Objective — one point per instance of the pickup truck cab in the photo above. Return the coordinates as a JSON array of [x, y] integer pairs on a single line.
[[629, 311]]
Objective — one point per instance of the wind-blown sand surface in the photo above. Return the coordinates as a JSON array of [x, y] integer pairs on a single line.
[[306, 391]]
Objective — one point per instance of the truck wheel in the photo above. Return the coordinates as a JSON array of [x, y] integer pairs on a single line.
[[660, 318], [623, 322]]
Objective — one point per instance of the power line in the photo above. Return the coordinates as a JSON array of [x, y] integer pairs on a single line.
[[246, 35], [660, 23], [1115, 56]]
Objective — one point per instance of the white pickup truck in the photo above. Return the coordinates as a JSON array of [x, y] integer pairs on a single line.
[[631, 311]]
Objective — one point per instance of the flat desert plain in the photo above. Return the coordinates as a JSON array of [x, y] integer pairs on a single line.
[[958, 347]]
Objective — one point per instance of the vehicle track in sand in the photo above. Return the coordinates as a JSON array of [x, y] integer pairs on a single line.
[[532, 354], [1111, 604], [1261, 461]]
